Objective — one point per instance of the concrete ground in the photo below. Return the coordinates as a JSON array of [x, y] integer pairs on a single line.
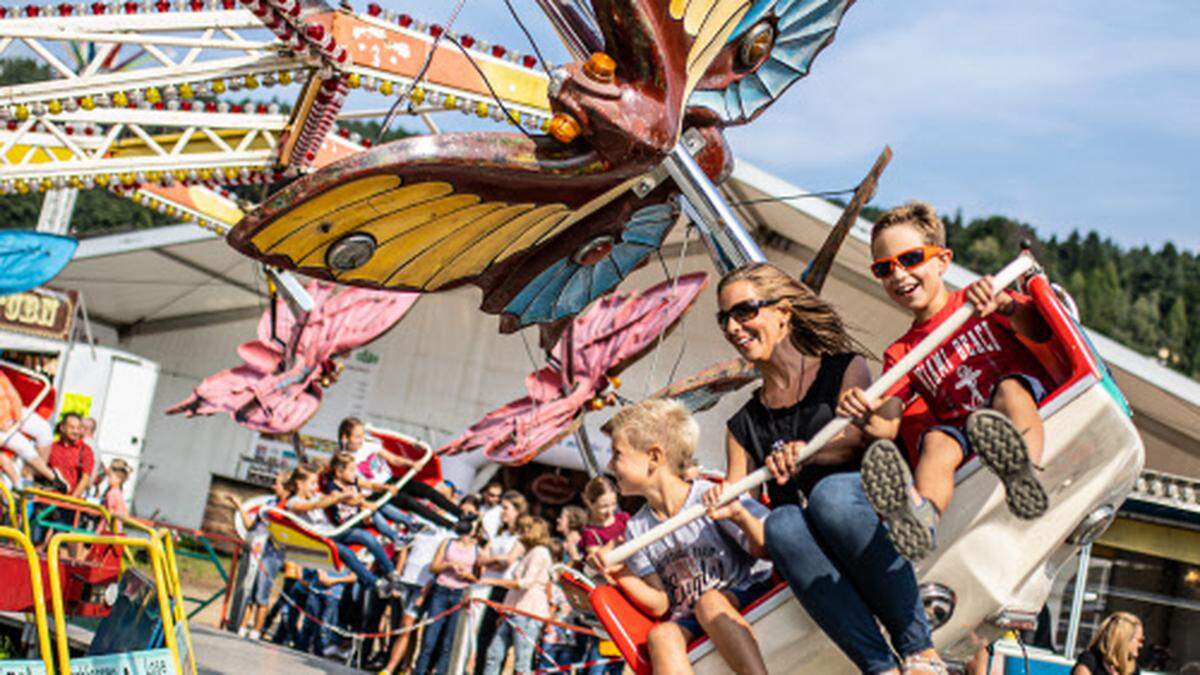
[[221, 652]]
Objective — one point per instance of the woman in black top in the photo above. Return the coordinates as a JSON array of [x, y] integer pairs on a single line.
[[1114, 649], [822, 534]]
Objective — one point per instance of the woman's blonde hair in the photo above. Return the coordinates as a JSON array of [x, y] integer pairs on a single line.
[[533, 531], [1114, 640], [816, 327]]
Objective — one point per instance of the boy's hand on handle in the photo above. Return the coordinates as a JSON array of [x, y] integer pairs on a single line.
[[596, 561], [854, 404], [784, 463], [718, 511], [983, 295]]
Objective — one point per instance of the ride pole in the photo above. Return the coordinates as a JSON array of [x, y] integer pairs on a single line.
[[1002, 280], [728, 242]]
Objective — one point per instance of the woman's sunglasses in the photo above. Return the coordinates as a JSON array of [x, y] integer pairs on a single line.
[[743, 311], [909, 259]]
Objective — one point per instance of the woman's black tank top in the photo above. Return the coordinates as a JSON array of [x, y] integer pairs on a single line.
[[758, 428]]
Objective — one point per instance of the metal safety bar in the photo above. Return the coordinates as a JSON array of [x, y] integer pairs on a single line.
[[36, 589], [158, 565]]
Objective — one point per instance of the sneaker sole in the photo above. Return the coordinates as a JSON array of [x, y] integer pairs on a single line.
[[1002, 449], [888, 483]]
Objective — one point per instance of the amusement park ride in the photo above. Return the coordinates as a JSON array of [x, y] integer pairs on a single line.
[[604, 156]]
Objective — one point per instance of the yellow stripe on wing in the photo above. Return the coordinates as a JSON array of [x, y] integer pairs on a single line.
[[321, 206], [449, 254], [406, 198]]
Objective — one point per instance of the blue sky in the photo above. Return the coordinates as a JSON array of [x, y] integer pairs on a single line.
[[1065, 115]]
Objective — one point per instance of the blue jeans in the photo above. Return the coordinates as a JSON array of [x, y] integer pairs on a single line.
[[837, 558], [593, 654], [359, 536], [388, 512], [523, 642], [439, 635]]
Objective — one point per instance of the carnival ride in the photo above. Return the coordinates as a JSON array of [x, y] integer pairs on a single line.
[[543, 224], [313, 546], [979, 583]]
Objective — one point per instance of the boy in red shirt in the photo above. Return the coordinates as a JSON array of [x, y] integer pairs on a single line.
[[982, 385]]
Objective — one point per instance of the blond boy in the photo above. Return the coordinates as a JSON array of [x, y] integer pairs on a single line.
[[983, 386], [698, 577]]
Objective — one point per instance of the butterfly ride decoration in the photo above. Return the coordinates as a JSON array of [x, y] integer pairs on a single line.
[[606, 338], [546, 224], [286, 370]]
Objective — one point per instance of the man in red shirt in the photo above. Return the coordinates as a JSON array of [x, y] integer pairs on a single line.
[[72, 456]]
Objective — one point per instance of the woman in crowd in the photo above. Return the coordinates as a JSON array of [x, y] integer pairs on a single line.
[[1114, 649], [822, 534], [499, 556], [528, 587], [454, 565]]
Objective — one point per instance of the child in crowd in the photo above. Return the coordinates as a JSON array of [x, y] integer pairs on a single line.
[[264, 555], [982, 386], [305, 500], [292, 596], [496, 561], [570, 524], [416, 579], [604, 528], [321, 610], [454, 565], [559, 646], [699, 576], [606, 521], [527, 595], [114, 495]]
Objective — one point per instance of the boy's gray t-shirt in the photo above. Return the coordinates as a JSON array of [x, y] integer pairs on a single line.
[[698, 557]]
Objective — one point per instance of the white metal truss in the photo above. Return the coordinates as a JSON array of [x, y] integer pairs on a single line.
[[135, 95], [163, 142]]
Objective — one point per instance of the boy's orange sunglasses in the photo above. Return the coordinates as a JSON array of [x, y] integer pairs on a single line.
[[909, 259]]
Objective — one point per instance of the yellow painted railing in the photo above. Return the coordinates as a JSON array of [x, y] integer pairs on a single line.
[[35, 587], [154, 549], [14, 516]]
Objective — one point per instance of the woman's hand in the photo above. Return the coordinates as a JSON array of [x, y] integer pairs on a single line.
[[783, 463]]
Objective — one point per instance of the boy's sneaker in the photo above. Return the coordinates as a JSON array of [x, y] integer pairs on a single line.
[[911, 525], [383, 588], [255, 635], [243, 631], [1001, 448]]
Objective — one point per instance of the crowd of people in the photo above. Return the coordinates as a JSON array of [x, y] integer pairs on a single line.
[[59, 459], [485, 554]]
